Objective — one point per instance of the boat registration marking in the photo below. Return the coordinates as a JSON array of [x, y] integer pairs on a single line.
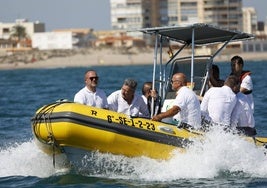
[[131, 122]]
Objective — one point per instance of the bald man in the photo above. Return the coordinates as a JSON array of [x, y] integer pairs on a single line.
[[186, 105], [91, 95]]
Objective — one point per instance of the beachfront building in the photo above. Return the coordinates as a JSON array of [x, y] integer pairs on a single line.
[[82, 37], [188, 12], [249, 20], [52, 40], [135, 14], [9, 34], [63, 39], [119, 40], [223, 13], [30, 28]]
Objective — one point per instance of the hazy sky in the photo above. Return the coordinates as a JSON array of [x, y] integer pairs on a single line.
[[94, 14]]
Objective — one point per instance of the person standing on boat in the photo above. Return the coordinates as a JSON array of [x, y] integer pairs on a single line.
[[127, 101], [91, 95], [148, 94], [246, 86], [186, 105], [242, 117], [218, 102]]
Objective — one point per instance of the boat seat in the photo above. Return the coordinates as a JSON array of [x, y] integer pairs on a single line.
[[184, 65], [171, 95]]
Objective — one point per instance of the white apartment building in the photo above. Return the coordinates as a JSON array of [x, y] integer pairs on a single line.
[[126, 14], [223, 13], [52, 40], [189, 11], [249, 20], [30, 27], [135, 14], [229, 14]]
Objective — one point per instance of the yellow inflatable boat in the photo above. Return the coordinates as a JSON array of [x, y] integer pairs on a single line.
[[63, 125], [67, 124]]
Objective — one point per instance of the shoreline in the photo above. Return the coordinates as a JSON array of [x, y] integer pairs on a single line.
[[109, 58]]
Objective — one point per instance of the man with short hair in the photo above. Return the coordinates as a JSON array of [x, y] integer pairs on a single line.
[[186, 105], [127, 101], [146, 90], [91, 95], [218, 102], [148, 95], [246, 85]]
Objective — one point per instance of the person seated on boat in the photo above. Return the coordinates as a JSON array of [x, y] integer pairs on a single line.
[[246, 86], [127, 101], [214, 80], [242, 117], [91, 95], [218, 103], [148, 94], [186, 105]]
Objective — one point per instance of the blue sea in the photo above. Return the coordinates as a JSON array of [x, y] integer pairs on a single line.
[[222, 160]]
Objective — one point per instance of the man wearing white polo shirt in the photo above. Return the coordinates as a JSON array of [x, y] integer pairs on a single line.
[[242, 116], [218, 102], [91, 95], [127, 101], [186, 106]]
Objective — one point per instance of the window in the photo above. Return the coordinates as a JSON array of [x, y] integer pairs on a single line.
[[258, 47], [6, 30]]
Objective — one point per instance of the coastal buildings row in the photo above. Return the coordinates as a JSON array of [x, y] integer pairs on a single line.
[[229, 14], [132, 14]]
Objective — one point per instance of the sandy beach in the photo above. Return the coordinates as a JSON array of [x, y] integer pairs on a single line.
[[94, 58], [109, 58]]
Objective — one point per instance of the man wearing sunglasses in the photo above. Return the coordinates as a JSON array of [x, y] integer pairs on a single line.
[[91, 95]]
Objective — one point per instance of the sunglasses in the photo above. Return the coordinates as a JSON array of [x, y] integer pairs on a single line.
[[93, 78], [172, 81]]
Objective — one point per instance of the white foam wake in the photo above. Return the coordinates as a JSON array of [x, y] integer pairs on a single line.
[[25, 160], [218, 152]]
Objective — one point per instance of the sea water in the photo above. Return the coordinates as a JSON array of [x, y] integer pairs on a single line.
[[220, 160]]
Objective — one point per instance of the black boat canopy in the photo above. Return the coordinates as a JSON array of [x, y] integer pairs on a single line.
[[204, 34]]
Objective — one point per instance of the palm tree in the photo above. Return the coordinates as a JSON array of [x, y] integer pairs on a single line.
[[18, 32]]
